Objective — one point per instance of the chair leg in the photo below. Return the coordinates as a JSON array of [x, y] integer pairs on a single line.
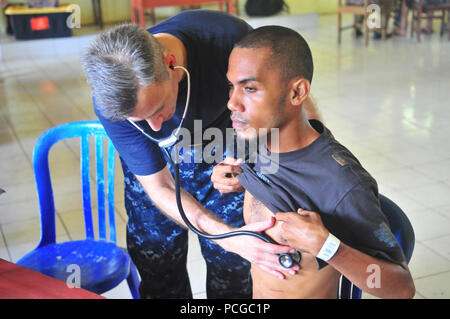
[[355, 24], [133, 15], [133, 281], [153, 16], [230, 7], [142, 16], [383, 27], [442, 23], [419, 23], [386, 24], [448, 24], [339, 27], [366, 30], [406, 18]]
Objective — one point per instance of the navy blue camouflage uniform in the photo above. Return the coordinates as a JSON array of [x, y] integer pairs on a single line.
[[160, 245], [157, 245]]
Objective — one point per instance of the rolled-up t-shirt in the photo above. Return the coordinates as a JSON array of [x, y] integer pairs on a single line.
[[325, 177]]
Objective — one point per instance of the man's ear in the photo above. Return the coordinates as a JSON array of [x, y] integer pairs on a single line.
[[170, 60], [300, 88]]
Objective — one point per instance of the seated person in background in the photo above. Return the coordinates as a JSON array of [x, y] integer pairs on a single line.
[[270, 71], [402, 16], [386, 7]]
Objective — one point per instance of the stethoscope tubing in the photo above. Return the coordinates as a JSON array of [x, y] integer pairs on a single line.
[[186, 220]]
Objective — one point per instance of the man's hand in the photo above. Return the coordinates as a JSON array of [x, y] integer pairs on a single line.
[[258, 252], [224, 176], [303, 230]]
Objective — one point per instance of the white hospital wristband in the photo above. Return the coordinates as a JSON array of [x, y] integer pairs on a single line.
[[329, 248]]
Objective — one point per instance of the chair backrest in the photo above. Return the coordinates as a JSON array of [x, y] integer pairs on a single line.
[[404, 233], [83, 130]]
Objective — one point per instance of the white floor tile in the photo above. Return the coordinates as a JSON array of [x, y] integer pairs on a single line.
[[430, 195], [439, 245], [425, 262], [18, 211], [197, 275], [439, 171], [122, 291], [401, 178], [444, 211], [194, 251], [435, 287], [428, 224]]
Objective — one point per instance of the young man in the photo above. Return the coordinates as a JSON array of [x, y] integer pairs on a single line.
[[133, 76], [335, 219]]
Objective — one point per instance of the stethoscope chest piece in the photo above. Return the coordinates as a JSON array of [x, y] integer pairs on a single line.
[[288, 260]]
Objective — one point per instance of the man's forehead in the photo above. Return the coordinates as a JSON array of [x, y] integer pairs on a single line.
[[149, 100], [249, 64], [254, 54]]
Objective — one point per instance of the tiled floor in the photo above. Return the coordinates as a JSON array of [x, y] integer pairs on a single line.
[[388, 103]]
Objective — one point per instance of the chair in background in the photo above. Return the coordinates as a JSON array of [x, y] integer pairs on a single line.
[[360, 8], [404, 233], [142, 6], [102, 264], [426, 10], [355, 9]]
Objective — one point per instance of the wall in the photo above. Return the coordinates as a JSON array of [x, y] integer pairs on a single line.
[[112, 10], [311, 6], [119, 10]]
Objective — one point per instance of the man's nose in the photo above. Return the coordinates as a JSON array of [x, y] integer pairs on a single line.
[[155, 123], [234, 103]]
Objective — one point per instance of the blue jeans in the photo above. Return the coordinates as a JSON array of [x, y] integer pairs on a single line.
[[158, 246]]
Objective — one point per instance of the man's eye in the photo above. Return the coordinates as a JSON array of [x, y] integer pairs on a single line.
[[250, 89]]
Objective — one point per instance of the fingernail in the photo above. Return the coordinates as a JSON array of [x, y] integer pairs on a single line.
[[292, 251]]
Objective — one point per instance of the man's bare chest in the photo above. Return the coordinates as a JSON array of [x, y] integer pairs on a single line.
[[255, 211]]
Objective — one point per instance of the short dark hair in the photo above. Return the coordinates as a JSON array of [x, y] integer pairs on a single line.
[[290, 52]]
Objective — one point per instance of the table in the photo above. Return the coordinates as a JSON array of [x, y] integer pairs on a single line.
[[17, 282]]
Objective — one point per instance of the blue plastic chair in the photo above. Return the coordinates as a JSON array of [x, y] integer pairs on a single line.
[[404, 233], [102, 264]]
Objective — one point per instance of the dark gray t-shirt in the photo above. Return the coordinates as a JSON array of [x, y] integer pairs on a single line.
[[326, 178]]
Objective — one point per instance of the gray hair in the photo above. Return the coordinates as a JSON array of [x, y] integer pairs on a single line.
[[117, 63]]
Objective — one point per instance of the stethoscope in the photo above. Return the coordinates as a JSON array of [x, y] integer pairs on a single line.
[[285, 260]]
